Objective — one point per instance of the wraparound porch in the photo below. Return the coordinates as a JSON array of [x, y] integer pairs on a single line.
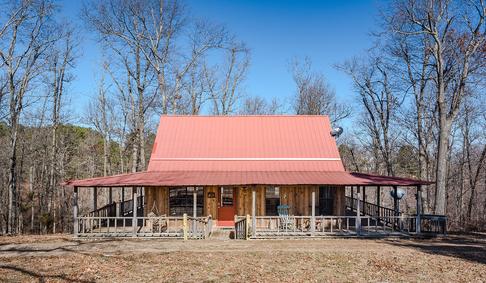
[[358, 218]]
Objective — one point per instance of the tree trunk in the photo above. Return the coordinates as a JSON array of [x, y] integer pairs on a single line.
[[442, 165], [12, 177]]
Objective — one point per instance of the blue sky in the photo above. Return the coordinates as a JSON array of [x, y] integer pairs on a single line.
[[328, 32]]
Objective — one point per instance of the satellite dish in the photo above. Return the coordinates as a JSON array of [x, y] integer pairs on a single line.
[[336, 132], [400, 193]]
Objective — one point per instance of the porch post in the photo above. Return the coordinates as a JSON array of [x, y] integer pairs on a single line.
[[122, 204], [395, 200], [253, 210], [352, 197], [358, 212], [117, 209], [313, 217], [194, 202], [194, 209], [95, 198], [75, 212], [364, 200], [378, 196], [364, 194], [418, 197], [110, 196], [134, 217]]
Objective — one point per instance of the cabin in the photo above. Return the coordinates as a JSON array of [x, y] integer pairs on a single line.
[[255, 176]]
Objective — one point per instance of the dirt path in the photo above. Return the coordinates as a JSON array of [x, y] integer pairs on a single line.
[[60, 258]]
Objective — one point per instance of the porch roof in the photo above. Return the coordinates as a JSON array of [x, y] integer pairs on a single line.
[[219, 178]]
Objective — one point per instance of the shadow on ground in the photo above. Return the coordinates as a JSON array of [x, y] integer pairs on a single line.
[[41, 277], [463, 247], [75, 246]]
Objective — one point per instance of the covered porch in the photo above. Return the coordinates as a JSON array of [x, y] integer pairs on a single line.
[[360, 219], [189, 205]]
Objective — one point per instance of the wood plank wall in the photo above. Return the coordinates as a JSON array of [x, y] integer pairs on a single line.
[[297, 197], [159, 196], [211, 204], [339, 202], [244, 200]]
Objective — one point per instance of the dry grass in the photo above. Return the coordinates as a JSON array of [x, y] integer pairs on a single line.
[[59, 258]]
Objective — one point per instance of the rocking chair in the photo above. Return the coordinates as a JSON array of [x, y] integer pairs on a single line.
[[285, 220], [155, 223]]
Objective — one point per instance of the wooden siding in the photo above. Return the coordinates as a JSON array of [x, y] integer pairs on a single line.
[[297, 197], [211, 204], [159, 196], [339, 201], [244, 200]]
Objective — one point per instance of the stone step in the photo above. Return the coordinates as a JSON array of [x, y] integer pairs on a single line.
[[222, 233]]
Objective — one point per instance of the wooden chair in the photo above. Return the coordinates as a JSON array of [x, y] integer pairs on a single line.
[[157, 223], [285, 220]]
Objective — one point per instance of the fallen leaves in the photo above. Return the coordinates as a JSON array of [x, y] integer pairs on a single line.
[[329, 260]]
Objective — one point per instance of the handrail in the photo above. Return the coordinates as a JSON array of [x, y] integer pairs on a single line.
[[107, 210], [126, 207], [429, 223], [240, 229], [371, 209]]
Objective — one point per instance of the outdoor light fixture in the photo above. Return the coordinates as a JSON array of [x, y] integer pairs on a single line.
[[400, 193], [336, 132]]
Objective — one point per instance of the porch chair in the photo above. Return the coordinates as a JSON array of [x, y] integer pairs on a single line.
[[156, 223], [285, 220]]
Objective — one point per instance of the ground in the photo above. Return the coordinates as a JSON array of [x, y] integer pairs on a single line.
[[61, 258]]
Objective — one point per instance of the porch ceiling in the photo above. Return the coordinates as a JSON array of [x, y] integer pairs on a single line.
[[215, 178]]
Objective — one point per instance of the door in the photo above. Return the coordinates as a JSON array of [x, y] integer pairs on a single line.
[[226, 206]]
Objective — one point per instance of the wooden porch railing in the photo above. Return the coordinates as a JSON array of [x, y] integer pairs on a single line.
[[159, 227], [429, 223], [126, 207], [274, 226], [370, 209], [432, 224], [104, 211], [242, 227]]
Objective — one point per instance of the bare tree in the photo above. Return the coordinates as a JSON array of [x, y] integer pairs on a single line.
[[101, 117], [259, 106], [60, 61], [226, 91], [154, 27], [27, 37], [314, 96], [372, 80], [455, 34]]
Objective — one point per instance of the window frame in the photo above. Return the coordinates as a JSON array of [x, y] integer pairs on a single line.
[[326, 200], [272, 202], [185, 201]]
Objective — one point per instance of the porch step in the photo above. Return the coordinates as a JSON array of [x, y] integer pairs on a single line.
[[222, 233]]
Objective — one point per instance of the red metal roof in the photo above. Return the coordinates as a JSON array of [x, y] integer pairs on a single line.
[[209, 178], [244, 150], [242, 143]]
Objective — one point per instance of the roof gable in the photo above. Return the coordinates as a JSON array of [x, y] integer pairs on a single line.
[[245, 143]]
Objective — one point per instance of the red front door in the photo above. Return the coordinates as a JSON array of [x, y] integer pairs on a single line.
[[226, 206]]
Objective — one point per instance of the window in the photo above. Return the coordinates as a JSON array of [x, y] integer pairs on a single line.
[[326, 200], [272, 200], [181, 201], [226, 196]]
